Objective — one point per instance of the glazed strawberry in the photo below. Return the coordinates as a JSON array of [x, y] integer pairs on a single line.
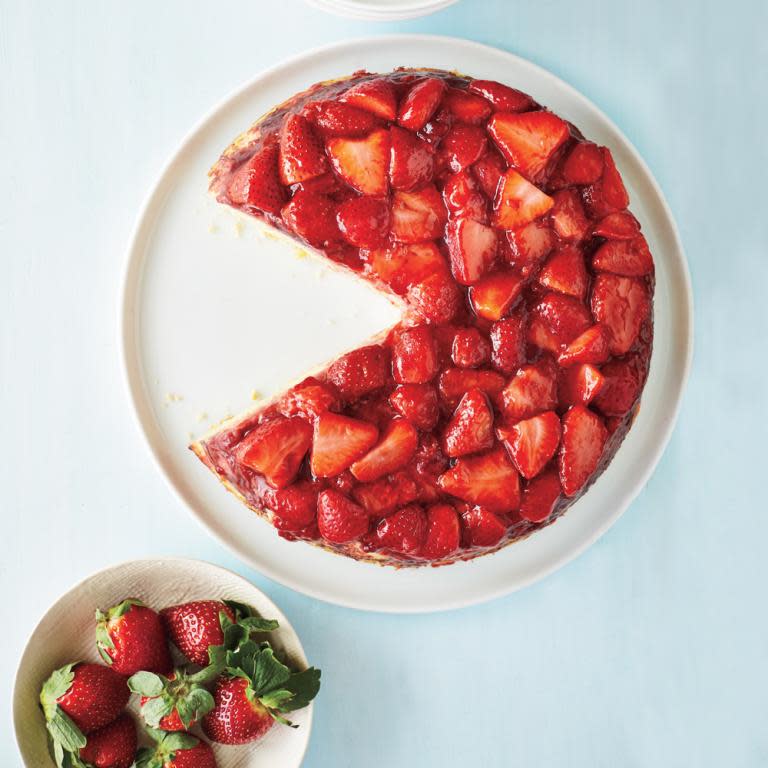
[[301, 151], [375, 96], [532, 390], [488, 171], [339, 519], [489, 480], [403, 266], [411, 162], [565, 317], [540, 496], [472, 247], [568, 218], [508, 343], [359, 372], [112, 746], [617, 226], [382, 497], [470, 429], [518, 202], [624, 257], [394, 451], [503, 98], [420, 103], [453, 383], [470, 349], [176, 702], [463, 145], [466, 107], [622, 384], [532, 442], [338, 442], [176, 750], [528, 141], [622, 305], [81, 697], [364, 221], [529, 245], [589, 347], [418, 216], [276, 449], [435, 299], [584, 164], [463, 197], [494, 295], [417, 403], [403, 532], [608, 194], [363, 163], [443, 532], [295, 507], [257, 182], [312, 217], [483, 528], [565, 272], [334, 119], [256, 690], [130, 637], [309, 398], [414, 355], [580, 384], [584, 437]]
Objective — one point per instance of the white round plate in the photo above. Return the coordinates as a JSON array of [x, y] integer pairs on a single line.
[[381, 10], [66, 634], [212, 310]]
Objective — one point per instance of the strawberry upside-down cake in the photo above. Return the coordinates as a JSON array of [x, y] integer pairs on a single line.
[[526, 290]]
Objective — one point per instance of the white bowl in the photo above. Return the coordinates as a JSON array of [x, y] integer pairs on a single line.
[[66, 634], [381, 10]]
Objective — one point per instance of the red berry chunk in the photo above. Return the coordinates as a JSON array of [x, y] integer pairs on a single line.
[[414, 355], [472, 247], [417, 403], [503, 98], [471, 427], [405, 531], [256, 184], [412, 161], [335, 119], [359, 372], [580, 384], [309, 399], [393, 451], [418, 216], [623, 381], [622, 304], [339, 519], [533, 442], [533, 389], [312, 217], [584, 164], [338, 442], [590, 347], [420, 103], [540, 496], [483, 528], [584, 436], [463, 145], [608, 194], [470, 349], [463, 197], [443, 532], [569, 220], [508, 343], [466, 107], [624, 257], [376, 96], [364, 221], [363, 163], [492, 296], [455, 382], [302, 155], [566, 273]]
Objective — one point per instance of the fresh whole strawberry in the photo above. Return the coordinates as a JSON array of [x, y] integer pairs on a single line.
[[175, 702], [176, 750], [130, 637], [113, 746], [256, 690]]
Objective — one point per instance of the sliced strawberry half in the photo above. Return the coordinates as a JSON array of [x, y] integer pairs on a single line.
[[394, 450], [589, 347], [503, 98], [339, 519], [623, 383], [532, 442], [463, 145], [494, 295], [309, 399], [518, 202], [417, 403], [529, 246], [295, 506], [472, 247], [565, 272], [564, 316], [568, 217], [401, 266], [528, 140], [622, 304], [363, 163], [532, 390], [312, 217], [580, 384], [631, 258], [584, 437], [338, 442], [470, 348], [404, 531], [375, 96], [276, 449], [540, 496], [301, 151], [435, 299], [488, 171], [414, 355], [411, 162], [482, 528], [334, 119], [364, 221], [443, 534], [618, 226], [508, 343], [466, 107], [453, 383], [489, 480], [584, 164], [359, 372], [470, 429], [463, 197], [608, 194], [418, 216], [420, 103], [256, 183]]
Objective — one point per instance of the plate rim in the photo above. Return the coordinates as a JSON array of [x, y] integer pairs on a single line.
[[348, 9], [133, 384], [193, 561]]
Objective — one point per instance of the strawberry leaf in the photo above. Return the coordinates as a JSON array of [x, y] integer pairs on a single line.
[[146, 684], [55, 687], [257, 663], [304, 686], [65, 732], [257, 624], [154, 710]]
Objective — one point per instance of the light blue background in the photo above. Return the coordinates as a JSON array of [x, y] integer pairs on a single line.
[[650, 649]]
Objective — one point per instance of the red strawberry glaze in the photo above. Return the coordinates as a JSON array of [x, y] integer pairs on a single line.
[[505, 236]]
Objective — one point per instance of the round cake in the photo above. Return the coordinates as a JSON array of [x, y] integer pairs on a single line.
[[526, 295]]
